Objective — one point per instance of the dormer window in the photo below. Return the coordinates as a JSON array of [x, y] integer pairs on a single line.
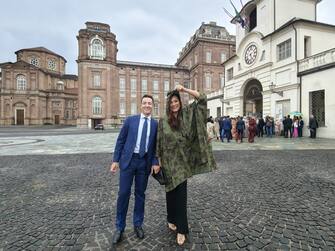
[[96, 50]]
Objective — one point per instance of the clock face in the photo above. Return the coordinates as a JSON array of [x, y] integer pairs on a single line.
[[250, 54]]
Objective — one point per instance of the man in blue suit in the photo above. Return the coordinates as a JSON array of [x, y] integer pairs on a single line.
[[134, 155]]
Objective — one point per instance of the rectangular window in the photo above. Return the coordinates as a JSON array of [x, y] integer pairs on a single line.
[[208, 57], [144, 86], [253, 19], [190, 62], [96, 79], [122, 107], [284, 50], [317, 106], [122, 87], [307, 46], [155, 85], [208, 82], [133, 108], [222, 80], [156, 109], [218, 112], [223, 57], [133, 87], [195, 59], [155, 89], [230, 74], [166, 87]]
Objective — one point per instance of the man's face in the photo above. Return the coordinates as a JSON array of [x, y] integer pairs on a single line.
[[146, 106]]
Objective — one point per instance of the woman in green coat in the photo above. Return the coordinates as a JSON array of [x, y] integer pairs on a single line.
[[183, 150]]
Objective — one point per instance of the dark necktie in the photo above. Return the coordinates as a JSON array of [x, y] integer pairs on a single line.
[[143, 138]]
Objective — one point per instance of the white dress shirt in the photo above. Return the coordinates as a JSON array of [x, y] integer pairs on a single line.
[[139, 134]]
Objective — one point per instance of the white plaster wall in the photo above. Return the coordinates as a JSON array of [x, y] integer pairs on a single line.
[[288, 9], [318, 41], [323, 80], [212, 105]]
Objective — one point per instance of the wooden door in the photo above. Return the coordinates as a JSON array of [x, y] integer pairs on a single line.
[[56, 119], [20, 117]]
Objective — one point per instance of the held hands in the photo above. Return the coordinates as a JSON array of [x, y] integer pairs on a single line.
[[114, 167], [155, 169]]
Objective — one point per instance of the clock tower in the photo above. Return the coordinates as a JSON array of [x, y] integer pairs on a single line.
[[97, 73]]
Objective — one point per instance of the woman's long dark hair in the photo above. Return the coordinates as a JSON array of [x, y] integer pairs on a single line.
[[173, 121]]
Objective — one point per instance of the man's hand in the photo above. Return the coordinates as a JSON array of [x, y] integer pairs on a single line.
[[155, 169], [114, 167]]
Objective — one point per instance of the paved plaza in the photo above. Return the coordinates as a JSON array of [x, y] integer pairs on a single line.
[[56, 193]]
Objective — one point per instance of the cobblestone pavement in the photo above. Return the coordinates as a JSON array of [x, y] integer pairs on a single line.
[[84, 141], [270, 200]]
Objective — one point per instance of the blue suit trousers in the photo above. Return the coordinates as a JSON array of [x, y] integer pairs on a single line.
[[137, 170]]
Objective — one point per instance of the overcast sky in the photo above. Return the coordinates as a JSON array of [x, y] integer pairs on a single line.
[[152, 31]]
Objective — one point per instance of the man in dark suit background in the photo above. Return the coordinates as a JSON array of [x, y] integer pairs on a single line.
[[134, 154], [313, 125]]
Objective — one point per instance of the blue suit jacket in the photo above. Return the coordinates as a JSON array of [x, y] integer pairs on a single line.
[[126, 142]]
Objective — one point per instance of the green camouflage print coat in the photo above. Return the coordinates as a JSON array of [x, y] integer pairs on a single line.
[[185, 152]]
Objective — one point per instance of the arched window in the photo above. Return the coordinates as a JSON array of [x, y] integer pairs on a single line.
[[96, 48], [97, 105], [21, 83]]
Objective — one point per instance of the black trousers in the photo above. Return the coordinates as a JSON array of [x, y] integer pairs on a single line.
[[176, 205], [313, 133]]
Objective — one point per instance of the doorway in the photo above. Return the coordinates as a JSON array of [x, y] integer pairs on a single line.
[[96, 122], [56, 119], [253, 99], [20, 117]]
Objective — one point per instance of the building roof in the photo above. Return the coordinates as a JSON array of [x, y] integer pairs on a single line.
[[210, 32], [141, 64], [287, 24], [298, 20], [41, 49], [20, 63], [70, 76], [52, 74], [247, 4]]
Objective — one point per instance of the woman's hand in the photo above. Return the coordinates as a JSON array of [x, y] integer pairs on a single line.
[[180, 88], [194, 93]]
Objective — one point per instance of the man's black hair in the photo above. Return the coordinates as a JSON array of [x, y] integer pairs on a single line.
[[147, 96]]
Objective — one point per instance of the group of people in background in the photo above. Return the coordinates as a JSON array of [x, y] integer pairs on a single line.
[[236, 128]]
